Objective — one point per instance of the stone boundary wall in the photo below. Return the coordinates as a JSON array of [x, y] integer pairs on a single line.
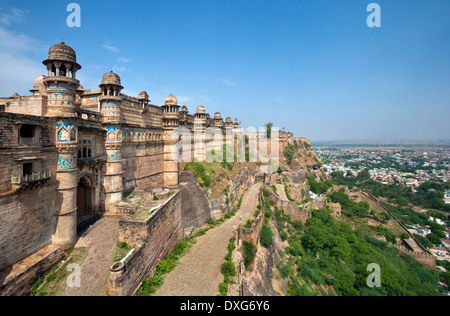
[[28, 105], [18, 280], [370, 196], [295, 212], [153, 239], [427, 260], [252, 234]]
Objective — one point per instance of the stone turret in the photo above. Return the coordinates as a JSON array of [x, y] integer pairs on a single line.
[[143, 99], [110, 102], [171, 120], [61, 85], [218, 121], [171, 116]]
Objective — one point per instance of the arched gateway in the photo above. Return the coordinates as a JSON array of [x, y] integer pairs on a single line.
[[86, 209]]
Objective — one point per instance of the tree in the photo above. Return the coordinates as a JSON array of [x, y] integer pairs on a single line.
[[249, 252], [289, 153], [434, 238], [269, 129], [363, 175], [404, 236], [266, 236]]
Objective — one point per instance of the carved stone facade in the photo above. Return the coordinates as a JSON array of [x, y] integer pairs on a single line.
[[67, 153]]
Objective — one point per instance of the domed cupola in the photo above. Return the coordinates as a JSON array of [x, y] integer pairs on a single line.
[[171, 100], [171, 115], [218, 121], [201, 109], [111, 84], [61, 61], [111, 78]]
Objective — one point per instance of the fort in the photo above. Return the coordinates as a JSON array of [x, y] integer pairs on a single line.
[[70, 155]]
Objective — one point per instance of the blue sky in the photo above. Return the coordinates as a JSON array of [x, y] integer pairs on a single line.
[[313, 67]]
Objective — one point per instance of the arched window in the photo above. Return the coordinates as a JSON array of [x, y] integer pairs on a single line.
[[79, 153], [89, 153], [84, 152], [62, 71]]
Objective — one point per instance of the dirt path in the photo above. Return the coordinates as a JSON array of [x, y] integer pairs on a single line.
[[198, 272], [100, 238]]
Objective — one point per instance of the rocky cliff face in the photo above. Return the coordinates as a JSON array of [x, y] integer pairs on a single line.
[[263, 278], [305, 158]]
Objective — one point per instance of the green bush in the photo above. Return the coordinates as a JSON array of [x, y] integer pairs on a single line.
[[404, 236], [318, 187], [297, 225], [266, 236], [180, 247], [223, 289], [423, 241], [249, 253], [434, 238], [150, 285], [289, 153], [231, 245], [350, 208], [283, 236], [248, 224], [286, 190], [285, 270], [200, 173], [337, 255], [228, 269]]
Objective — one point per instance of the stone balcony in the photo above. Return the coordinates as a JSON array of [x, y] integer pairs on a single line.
[[30, 180]]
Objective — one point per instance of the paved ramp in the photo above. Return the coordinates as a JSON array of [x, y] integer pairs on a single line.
[[198, 272], [101, 239]]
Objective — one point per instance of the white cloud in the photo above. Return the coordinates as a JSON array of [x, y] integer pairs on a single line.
[[183, 98], [110, 48], [117, 69], [229, 82], [11, 15], [14, 42], [204, 98], [19, 68], [124, 60]]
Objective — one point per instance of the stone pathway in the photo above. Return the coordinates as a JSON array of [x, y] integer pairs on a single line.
[[100, 238], [198, 272]]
